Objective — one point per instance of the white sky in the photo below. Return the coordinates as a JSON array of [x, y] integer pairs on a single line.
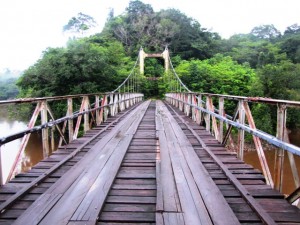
[[29, 27]]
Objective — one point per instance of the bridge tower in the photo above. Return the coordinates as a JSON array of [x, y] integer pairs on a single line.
[[143, 55]]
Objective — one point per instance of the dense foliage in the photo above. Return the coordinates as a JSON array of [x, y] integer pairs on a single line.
[[260, 63], [84, 66], [8, 89]]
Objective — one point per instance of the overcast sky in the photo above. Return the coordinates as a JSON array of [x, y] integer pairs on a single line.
[[29, 27]]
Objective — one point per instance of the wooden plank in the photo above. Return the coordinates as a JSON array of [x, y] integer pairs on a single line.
[[170, 195], [81, 223], [131, 199], [159, 196], [54, 165], [190, 199], [78, 181], [127, 217], [135, 181], [217, 206], [265, 217], [159, 220], [45, 203], [129, 208], [173, 218], [94, 198], [133, 192], [134, 187]]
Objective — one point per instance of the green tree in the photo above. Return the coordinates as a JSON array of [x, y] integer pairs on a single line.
[[141, 26], [8, 89], [220, 75], [80, 24], [83, 67], [293, 29], [244, 49], [291, 46], [276, 80], [267, 32]]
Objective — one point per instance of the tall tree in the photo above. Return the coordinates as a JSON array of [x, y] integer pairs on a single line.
[[80, 24], [268, 32], [293, 29], [291, 46], [141, 26], [82, 67]]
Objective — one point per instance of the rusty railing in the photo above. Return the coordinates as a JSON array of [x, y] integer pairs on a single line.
[[105, 104], [200, 107]]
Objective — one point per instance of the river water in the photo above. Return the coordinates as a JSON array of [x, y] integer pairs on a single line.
[[33, 153]]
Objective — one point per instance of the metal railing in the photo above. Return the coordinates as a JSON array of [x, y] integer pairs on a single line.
[[200, 107], [105, 104]]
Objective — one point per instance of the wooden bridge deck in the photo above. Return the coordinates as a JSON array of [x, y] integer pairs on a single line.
[[147, 165]]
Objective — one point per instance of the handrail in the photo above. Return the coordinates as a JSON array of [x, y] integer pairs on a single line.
[[111, 104], [21, 134], [267, 137], [192, 104], [271, 101], [53, 98]]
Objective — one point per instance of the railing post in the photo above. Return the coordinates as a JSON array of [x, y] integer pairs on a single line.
[[221, 113], [70, 122], [180, 102], [120, 102], [130, 100], [103, 110], [281, 124], [127, 100], [199, 104], [173, 100], [187, 106], [111, 106], [194, 110], [241, 133], [86, 115], [214, 124], [45, 131], [116, 99], [259, 148], [52, 139], [1, 172], [97, 105], [207, 116]]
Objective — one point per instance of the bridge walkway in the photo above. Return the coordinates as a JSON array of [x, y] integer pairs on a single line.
[[148, 165]]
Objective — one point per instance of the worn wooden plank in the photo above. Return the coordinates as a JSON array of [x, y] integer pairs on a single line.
[[173, 218], [159, 220], [90, 206], [80, 175], [81, 223], [45, 204], [133, 192], [170, 196], [134, 187], [258, 209], [159, 196], [190, 199], [129, 208], [127, 217], [217, 206], [131, 199]]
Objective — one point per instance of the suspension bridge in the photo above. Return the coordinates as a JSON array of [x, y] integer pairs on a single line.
[[150, 161]]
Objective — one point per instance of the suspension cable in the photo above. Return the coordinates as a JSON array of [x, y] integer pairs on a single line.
[[132, 72], [182, 84]]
